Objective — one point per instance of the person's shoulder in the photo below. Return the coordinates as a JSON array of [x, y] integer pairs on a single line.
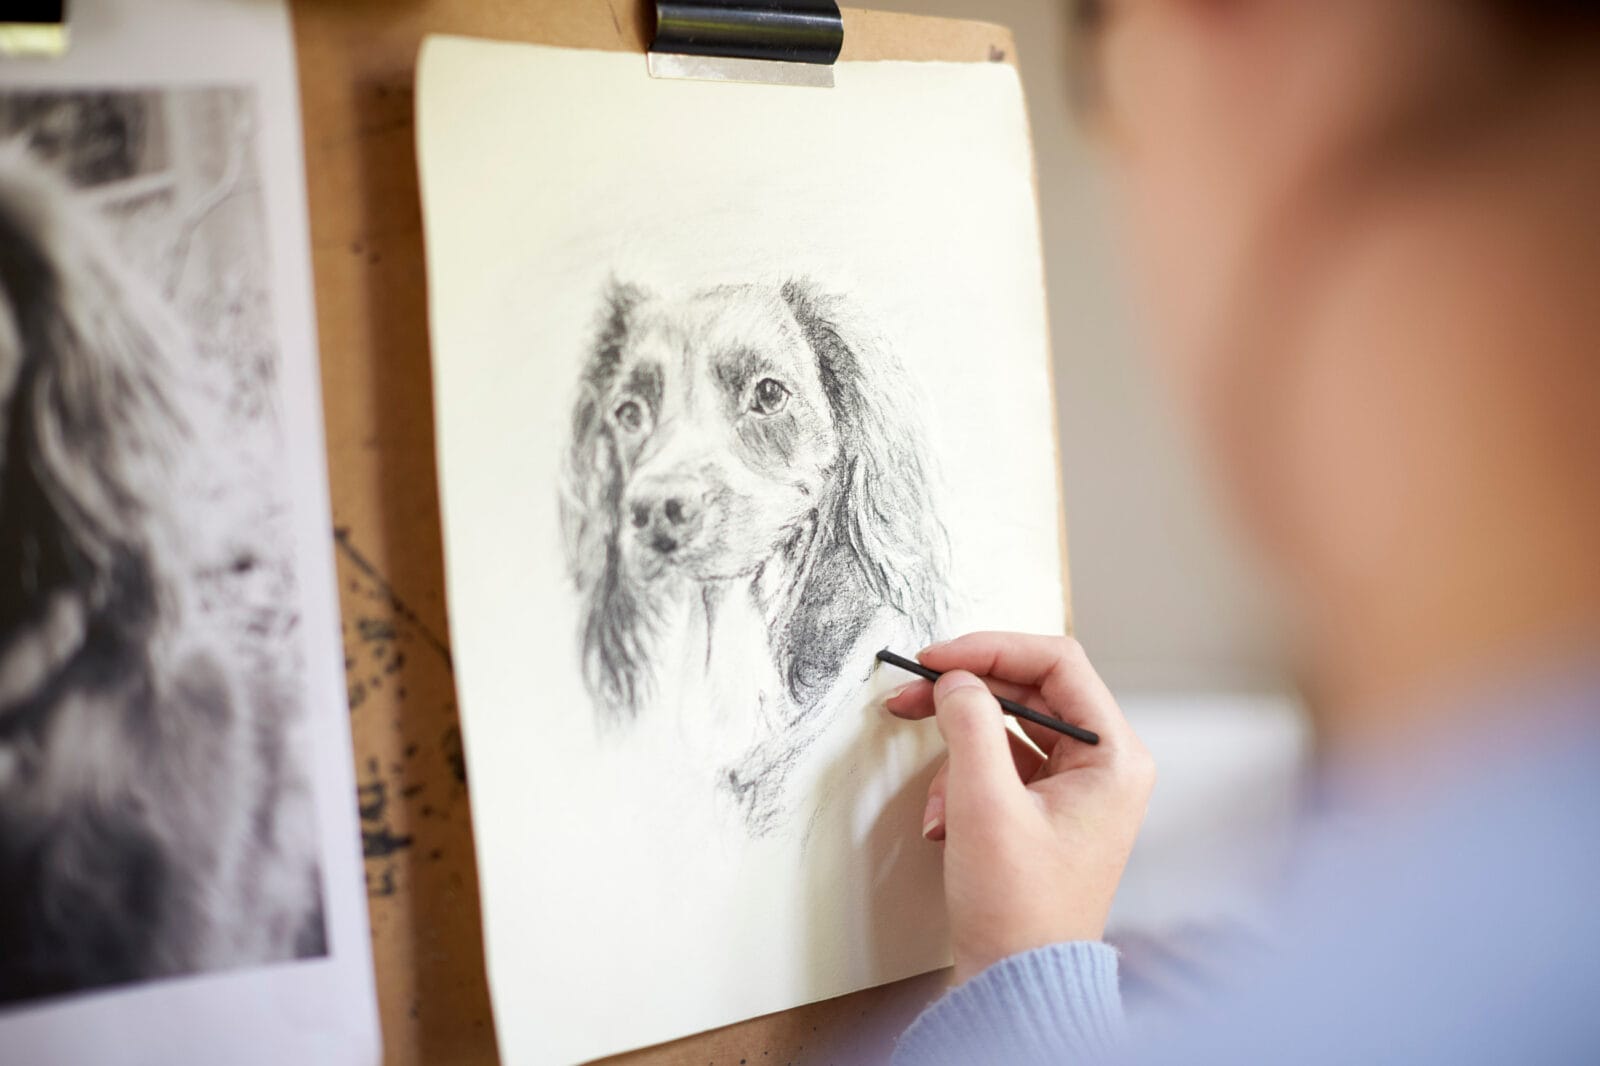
[[1456, 920]]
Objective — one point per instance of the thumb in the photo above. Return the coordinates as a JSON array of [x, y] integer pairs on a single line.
[[981, 773]]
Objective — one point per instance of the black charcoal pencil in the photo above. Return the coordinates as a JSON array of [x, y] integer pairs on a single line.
[[1011, 707]]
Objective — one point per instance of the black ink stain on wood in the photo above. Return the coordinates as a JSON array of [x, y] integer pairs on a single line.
[[379, 839], [376, 629], [383, 883], [372, 801], [381, 843], [997, 54], [381, 635], [341, 538], [451, 742]]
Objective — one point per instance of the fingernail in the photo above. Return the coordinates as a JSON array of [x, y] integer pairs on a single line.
[[930, 647], [933, 817], [884, 700], [896, 692]]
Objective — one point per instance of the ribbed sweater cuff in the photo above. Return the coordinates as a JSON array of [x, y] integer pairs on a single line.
[[1055, 1004]]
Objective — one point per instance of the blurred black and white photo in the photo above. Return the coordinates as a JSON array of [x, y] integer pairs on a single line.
[[156, 814]]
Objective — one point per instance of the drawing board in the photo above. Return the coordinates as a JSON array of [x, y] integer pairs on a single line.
[[356, 79]]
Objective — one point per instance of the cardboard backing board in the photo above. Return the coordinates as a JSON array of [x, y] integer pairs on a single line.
[[357, 60]]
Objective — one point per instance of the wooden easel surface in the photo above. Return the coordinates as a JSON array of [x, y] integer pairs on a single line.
[[357, 61]]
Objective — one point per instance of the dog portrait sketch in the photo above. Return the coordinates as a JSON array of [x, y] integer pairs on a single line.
[[155, 816], [745, 458]]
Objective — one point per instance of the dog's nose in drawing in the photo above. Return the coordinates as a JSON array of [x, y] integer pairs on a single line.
[[666, 517]]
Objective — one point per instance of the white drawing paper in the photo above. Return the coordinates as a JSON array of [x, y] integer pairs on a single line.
[[735, 385], [179, 858]]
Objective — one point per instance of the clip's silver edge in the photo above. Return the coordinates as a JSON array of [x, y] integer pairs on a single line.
[[752, 71]]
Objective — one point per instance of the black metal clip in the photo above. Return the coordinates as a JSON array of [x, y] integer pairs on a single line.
[[748, 40]]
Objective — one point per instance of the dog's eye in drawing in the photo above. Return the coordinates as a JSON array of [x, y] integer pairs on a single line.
[[770, 397], [630, 416]]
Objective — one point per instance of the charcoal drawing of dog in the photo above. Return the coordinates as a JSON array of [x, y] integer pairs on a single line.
[[747, 445], [147, 819]]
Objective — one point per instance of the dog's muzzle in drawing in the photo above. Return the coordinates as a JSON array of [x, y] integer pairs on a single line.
[[666, 516]]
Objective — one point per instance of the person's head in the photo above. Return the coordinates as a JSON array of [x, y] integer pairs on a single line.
[[1367, 239]]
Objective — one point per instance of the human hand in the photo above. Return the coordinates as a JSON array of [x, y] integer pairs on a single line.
[[1035, 838]]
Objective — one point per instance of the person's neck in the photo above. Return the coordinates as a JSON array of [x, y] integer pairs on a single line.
[[1393, 668]]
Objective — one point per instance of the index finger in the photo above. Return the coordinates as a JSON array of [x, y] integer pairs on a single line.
[[1056, 666]]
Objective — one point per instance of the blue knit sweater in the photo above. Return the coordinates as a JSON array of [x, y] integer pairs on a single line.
[[1441, 910]]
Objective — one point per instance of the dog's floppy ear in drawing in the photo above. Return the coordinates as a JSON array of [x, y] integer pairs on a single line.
[[881, 543], [616, 621]]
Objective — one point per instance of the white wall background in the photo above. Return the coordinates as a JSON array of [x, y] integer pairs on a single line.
[[1162, 597]]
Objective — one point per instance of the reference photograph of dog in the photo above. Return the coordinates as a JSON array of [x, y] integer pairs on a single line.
[[748, 513], [155, 816]]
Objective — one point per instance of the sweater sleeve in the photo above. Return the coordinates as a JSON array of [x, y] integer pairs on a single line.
[[1058, 1004]]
